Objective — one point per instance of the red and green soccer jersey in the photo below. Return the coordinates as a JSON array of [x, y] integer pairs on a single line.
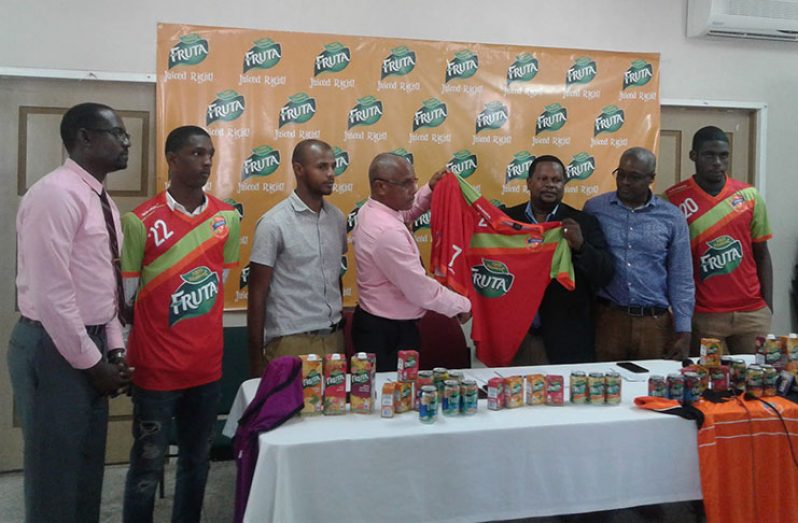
[[501, 265], [177, 336], [723, 229]]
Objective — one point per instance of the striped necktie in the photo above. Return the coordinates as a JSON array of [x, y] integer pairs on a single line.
[[114, 245]]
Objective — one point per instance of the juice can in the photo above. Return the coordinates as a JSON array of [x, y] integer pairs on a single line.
[[451, 398], [692, 387], [403, 396], [737, 375], [555, 395], [361, 384], [785, 382], [469, 394], [428, 409], [334, 384], [792, 347], [456, 375], [754, 377], [312, 377], [710, 352], [596, 394], [424, 378], [496, 393], [536, 389], [513, 392], [440, 375], [719, 378], [613, 385], [770, 376], [578, 387], [386, 402], [703, 376], [676, 386], [407, 365], [657, 386], [726, 360]]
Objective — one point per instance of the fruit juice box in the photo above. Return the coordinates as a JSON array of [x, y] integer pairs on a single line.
[[361, 394], [312, 372], [334, 384]]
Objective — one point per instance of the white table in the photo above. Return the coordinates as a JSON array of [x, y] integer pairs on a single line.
[[524, 462]]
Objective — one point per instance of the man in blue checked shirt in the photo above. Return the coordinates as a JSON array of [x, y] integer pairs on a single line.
[[646, 310]]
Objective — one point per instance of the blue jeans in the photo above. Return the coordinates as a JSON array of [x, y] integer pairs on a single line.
[[194, 411]]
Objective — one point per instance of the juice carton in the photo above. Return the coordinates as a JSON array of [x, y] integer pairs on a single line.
[[312, 371], [407, 366], [403, 396], [710, 352], [334, 384], [361, 397]]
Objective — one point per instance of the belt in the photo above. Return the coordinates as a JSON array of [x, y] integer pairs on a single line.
[[93, 330], [326, 331], [634, 310]]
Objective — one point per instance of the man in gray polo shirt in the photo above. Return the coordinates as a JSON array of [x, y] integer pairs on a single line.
[[295, 266]]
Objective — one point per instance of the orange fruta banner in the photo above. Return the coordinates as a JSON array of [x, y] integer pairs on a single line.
[[485, 111]]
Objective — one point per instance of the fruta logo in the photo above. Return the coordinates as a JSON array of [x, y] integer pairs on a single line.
[[609, 121], [191, 50], [333, 59], [228, 106], [195, 296], [581, 167], [723, 257], [351, 220], [639, 73], [399, 63], [341, 160], [492, 279], [299, 109], [422, 222], [551, 119], [464, 65], [518, 169], [262, 162], [493, 116], [368, 111], [432, 113], [407, 155], [265, 54], [463, 163], [523, 69], [582, 72]]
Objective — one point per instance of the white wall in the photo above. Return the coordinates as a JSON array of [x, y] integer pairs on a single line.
[[120, 37]]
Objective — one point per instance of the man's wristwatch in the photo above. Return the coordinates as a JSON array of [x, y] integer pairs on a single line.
[[116, 356]]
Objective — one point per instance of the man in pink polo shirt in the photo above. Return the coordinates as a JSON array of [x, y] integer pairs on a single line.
[[393, 286], [66, 352]]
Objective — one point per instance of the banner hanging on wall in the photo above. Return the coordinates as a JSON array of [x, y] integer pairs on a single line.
[[485, 111]]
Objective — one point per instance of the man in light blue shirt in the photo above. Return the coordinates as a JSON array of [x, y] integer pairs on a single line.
[[645, 311]]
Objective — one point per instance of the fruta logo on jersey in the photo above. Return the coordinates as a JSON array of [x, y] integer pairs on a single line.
[[368, 111], [407, 155], [228, 106], [351, 219], [723, 257], [582, 166], [463, 65], [341, 160], [518, 169], [399, 63], [492, 279], [582, 72], [551, 119], [299, 109], [195, 296], [263, 161], [191, 50], [265, 54], [609, 121], [523, 69], [432, 113], [493, 116], [333, 59], [463, 163], [639, 73], [422, 222]]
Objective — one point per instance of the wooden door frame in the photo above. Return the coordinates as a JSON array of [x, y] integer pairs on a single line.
[[760, 110]]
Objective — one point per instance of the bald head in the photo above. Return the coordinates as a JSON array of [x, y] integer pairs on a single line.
[[643, 157], [303, 148], [387, 166], [393, 181]]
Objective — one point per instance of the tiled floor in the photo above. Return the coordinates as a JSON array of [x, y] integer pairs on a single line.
[[220, 492]]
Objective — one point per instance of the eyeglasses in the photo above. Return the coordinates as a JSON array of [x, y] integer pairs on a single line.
[[117, 132], [631, 176], [407, 184]]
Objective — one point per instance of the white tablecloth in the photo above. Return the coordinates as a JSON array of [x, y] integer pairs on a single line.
[[524, 462]]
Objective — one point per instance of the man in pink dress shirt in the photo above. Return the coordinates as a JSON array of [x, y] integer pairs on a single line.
[[393, 286], [62, 370]]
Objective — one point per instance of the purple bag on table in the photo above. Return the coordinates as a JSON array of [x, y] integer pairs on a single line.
[[279, 398]]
